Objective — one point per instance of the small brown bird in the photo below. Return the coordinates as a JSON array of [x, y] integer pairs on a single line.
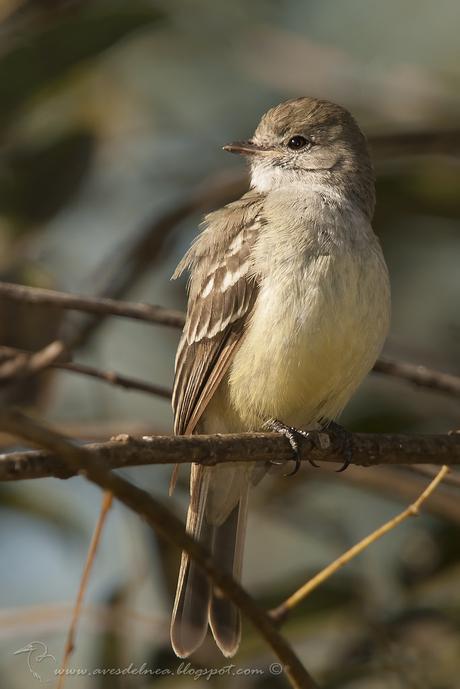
[[289, 305]]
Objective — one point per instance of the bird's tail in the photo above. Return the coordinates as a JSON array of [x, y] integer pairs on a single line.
[[197, 601]]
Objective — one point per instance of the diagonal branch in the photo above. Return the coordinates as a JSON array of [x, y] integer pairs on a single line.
[[107, 500], [19, 365], [281, 612], [124, 451], [167, 525]]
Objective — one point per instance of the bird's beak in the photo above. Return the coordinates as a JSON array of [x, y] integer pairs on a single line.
[[244, 148]]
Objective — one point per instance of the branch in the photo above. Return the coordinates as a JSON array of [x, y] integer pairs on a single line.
[[167, 525], [412, 373], [117, 379], [419, 375], [107, 499], [20, 365], [110, 377], [280, 613], [17, 367], [124, 451], [97, 305]]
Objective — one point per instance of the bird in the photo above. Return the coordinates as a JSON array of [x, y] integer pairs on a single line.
[[288, 309]]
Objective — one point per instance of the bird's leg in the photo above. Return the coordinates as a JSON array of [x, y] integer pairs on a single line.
[[293, 435], [345, 440]]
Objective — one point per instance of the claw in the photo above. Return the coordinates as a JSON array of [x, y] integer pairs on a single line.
[[292, 434], [346, 442], [296, 466], [307, 435], [344, 466]]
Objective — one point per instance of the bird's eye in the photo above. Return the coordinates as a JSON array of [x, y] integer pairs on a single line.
[[297, 142]]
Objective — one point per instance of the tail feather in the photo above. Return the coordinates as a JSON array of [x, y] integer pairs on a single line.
[[190, 615], [197, 602], [224, 617], [193, 596]]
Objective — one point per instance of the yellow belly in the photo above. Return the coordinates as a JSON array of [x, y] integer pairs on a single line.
[[307, 349]]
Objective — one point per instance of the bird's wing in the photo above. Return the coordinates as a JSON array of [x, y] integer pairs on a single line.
[[223, 290]]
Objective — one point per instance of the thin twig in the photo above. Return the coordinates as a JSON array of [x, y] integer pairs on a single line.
[[369, 449], [280, 613], [118, 379], [21, 365], [110, 377], [419, 375], [107, 500], [168, 527], [98, 305]]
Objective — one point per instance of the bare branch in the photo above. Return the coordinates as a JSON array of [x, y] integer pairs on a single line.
[[124, 451], [21, 365], [110, 377], [98, 305], [167, 525], [107, 500], [419, 375], [280, 613], [117, 379]]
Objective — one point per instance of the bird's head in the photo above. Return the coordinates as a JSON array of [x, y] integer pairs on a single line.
[[311, 143]]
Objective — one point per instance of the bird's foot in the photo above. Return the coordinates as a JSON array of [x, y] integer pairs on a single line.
[[344, 440], [293, 435]]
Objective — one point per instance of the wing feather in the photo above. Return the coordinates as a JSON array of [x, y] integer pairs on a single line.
[[222, 292]]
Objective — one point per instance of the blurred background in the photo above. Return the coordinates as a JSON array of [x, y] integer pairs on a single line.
[[112, 118]]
